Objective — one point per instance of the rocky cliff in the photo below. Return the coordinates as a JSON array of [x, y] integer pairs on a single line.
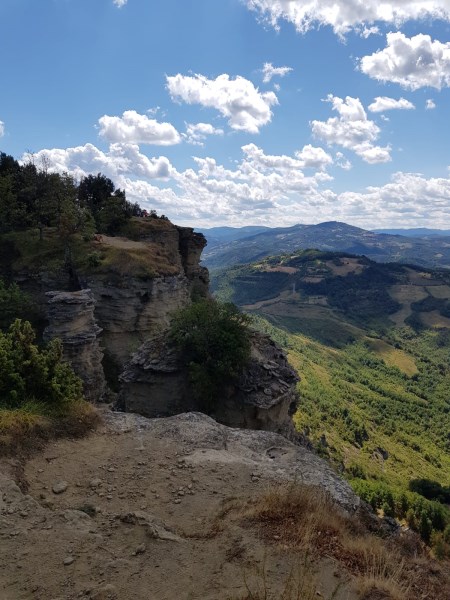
[[127, 288], [71, 318], [130, 307], [135, 283], [155, 384]]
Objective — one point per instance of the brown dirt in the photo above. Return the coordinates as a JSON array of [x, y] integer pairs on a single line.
[[124, 243], [144, 518], [349, 265]]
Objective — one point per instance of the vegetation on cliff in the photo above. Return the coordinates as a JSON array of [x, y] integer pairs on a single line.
[[50, 222], [33, 197], [40, 395], [215, 343]]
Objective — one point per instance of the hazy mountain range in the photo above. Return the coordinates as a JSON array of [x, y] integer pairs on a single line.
[[228, 246]]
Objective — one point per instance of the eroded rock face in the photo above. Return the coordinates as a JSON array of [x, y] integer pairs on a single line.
[[155, 384], [71, 318], [129, 309], [191, 245], [154, 381], [265, 396]]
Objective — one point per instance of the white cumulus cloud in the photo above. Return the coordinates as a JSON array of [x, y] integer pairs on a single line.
[[430, 104], [135, 128], [345, 15], [245, 107], [196, 133], [120, 3], [260, 188], [413, 63], [309, 157], [383, 103], [343, 162], [366, 32], [352, 130], [120, 160], [407, 199], [270, 71], [314, 157], [2, 129]]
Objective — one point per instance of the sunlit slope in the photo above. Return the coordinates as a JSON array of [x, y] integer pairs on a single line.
[[372, 345]]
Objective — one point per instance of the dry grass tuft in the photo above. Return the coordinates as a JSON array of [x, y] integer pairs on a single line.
[[301, 583], [380, 569], [29, 428], [304, 518], [297, 515], [19, 427]]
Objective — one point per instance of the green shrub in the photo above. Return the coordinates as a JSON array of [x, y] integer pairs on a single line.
[[214, 339], [28, 373], [94, 259], [13, 303]]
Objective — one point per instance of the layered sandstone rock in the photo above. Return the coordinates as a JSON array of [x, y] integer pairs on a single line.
[[131, 304], [71, 319], [155, 384], [129, 309], [191, 246], [132, 308]]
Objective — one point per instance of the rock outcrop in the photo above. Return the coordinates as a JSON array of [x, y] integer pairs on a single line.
[[136, 283], [71, 318], [155, 384], [269, 455], [265, 396], [191, 245], [129, 309]]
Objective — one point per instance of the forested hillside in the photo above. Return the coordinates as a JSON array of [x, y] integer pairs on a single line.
[[371, 343]]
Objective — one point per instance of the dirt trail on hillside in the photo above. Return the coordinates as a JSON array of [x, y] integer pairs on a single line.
[[132, 514]]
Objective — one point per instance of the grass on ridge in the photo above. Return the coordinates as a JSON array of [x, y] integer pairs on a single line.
[[30, 427], [303, 519]]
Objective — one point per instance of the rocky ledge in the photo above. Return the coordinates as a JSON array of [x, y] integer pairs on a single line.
[[155, 384], [114, 515]]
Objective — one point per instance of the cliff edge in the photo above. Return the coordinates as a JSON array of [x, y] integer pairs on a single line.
[[155, 383]]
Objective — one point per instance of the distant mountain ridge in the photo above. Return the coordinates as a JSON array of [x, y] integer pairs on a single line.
[[415, 232], [219, 235], [330, 236]]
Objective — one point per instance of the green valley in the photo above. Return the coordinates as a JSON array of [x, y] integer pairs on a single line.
[[371, 344]]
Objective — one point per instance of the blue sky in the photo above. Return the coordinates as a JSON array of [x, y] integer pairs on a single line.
[[237, 112]]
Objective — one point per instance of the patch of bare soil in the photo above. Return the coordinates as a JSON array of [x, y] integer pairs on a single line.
[[126, 514], [281, 269], [348, 265], [119, 242]]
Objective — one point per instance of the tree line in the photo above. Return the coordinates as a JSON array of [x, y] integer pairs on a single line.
[[31, 196]]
